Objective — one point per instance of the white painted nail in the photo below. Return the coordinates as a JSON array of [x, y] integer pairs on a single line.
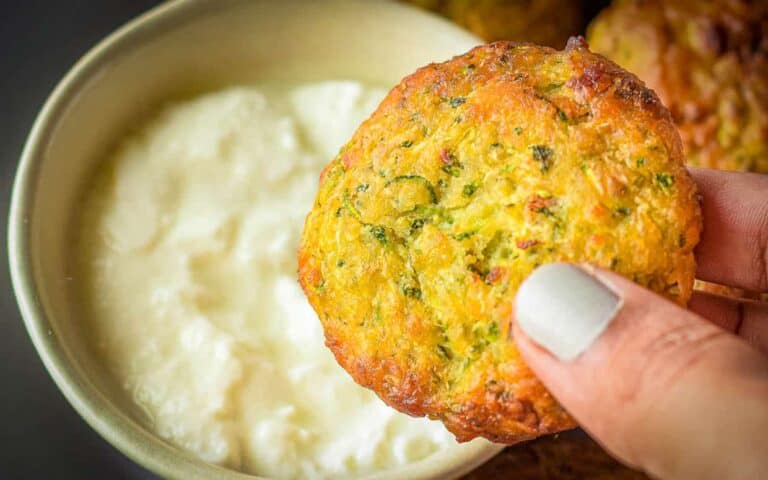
[[564, 309]]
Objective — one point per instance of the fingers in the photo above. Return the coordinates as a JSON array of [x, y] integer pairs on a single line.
[[748, 320], [659, 387], [734, 244]]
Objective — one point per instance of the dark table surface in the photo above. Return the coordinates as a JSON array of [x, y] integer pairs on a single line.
[[41, 435]]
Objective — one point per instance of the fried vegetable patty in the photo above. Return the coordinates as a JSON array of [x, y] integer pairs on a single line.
[[469, 175], [547, 22], [708, 62]]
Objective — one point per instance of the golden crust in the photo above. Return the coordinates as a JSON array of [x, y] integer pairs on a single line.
[[545, 22], [469, 175], [708, 62]]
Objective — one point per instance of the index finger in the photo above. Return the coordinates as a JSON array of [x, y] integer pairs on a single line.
[[734, 244]]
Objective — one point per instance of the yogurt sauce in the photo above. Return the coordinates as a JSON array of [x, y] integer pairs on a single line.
[[187, 251]]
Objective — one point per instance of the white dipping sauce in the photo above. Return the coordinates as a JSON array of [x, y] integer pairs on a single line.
[[187, 252]]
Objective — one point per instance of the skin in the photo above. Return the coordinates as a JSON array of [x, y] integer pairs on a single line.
[[697, 403], [708, 62], [469, 175]]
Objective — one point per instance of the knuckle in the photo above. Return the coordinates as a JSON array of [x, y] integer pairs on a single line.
[[667, 355], [663, 360], [679, 348]]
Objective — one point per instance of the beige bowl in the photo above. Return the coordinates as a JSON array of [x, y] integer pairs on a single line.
[[178, 49]]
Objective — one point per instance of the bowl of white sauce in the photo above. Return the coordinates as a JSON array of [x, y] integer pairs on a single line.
[[153, 232]]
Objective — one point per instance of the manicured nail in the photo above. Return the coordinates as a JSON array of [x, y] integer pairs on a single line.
[[564, 309]]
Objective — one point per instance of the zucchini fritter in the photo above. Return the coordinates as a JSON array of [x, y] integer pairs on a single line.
[[469, 175], [708, 62], [546, 22]]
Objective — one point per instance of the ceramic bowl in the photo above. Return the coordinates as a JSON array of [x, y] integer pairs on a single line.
[[176, 50]]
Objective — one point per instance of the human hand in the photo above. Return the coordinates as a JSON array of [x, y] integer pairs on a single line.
[[679, 394]]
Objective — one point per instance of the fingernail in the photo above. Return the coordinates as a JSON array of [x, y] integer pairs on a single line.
[[564, 309]]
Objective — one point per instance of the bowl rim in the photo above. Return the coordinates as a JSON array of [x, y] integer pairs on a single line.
[[109, 421]]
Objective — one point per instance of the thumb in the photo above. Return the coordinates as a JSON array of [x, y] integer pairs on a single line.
[[659, 387]]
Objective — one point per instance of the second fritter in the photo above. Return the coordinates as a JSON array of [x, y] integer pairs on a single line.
[[545, 22], [469, 175], [708, 61]]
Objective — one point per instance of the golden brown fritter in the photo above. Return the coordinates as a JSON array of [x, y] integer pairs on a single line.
[[469, 175], [546, 22], [708, 62]]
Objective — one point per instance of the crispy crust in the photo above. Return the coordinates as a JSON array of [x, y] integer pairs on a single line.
[[469, 175], [545, 22], [708, 62]]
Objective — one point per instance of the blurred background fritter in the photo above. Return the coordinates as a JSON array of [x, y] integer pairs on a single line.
[[708, 61], [544, 22]]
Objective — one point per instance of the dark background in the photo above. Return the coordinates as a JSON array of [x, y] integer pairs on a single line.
[[41, 436]]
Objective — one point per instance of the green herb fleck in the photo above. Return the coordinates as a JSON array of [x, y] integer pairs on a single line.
[[362, 187], [465, 235], [493, 332], [477, 348], [665, 180], [417, 224], [379, 233], [518, 130], [457, 101], [622, 211], [338, 211], [442, 183], [452, 169], [545, 211], [543, 155], [412, 292], [450, 165], [340, 263], [495, 145], [640, 161], [562, 115], [407, 144], [550, 87], [417, 179], [347, 202], [469, 189], [444, 351], [320, 287], [485, 334]]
